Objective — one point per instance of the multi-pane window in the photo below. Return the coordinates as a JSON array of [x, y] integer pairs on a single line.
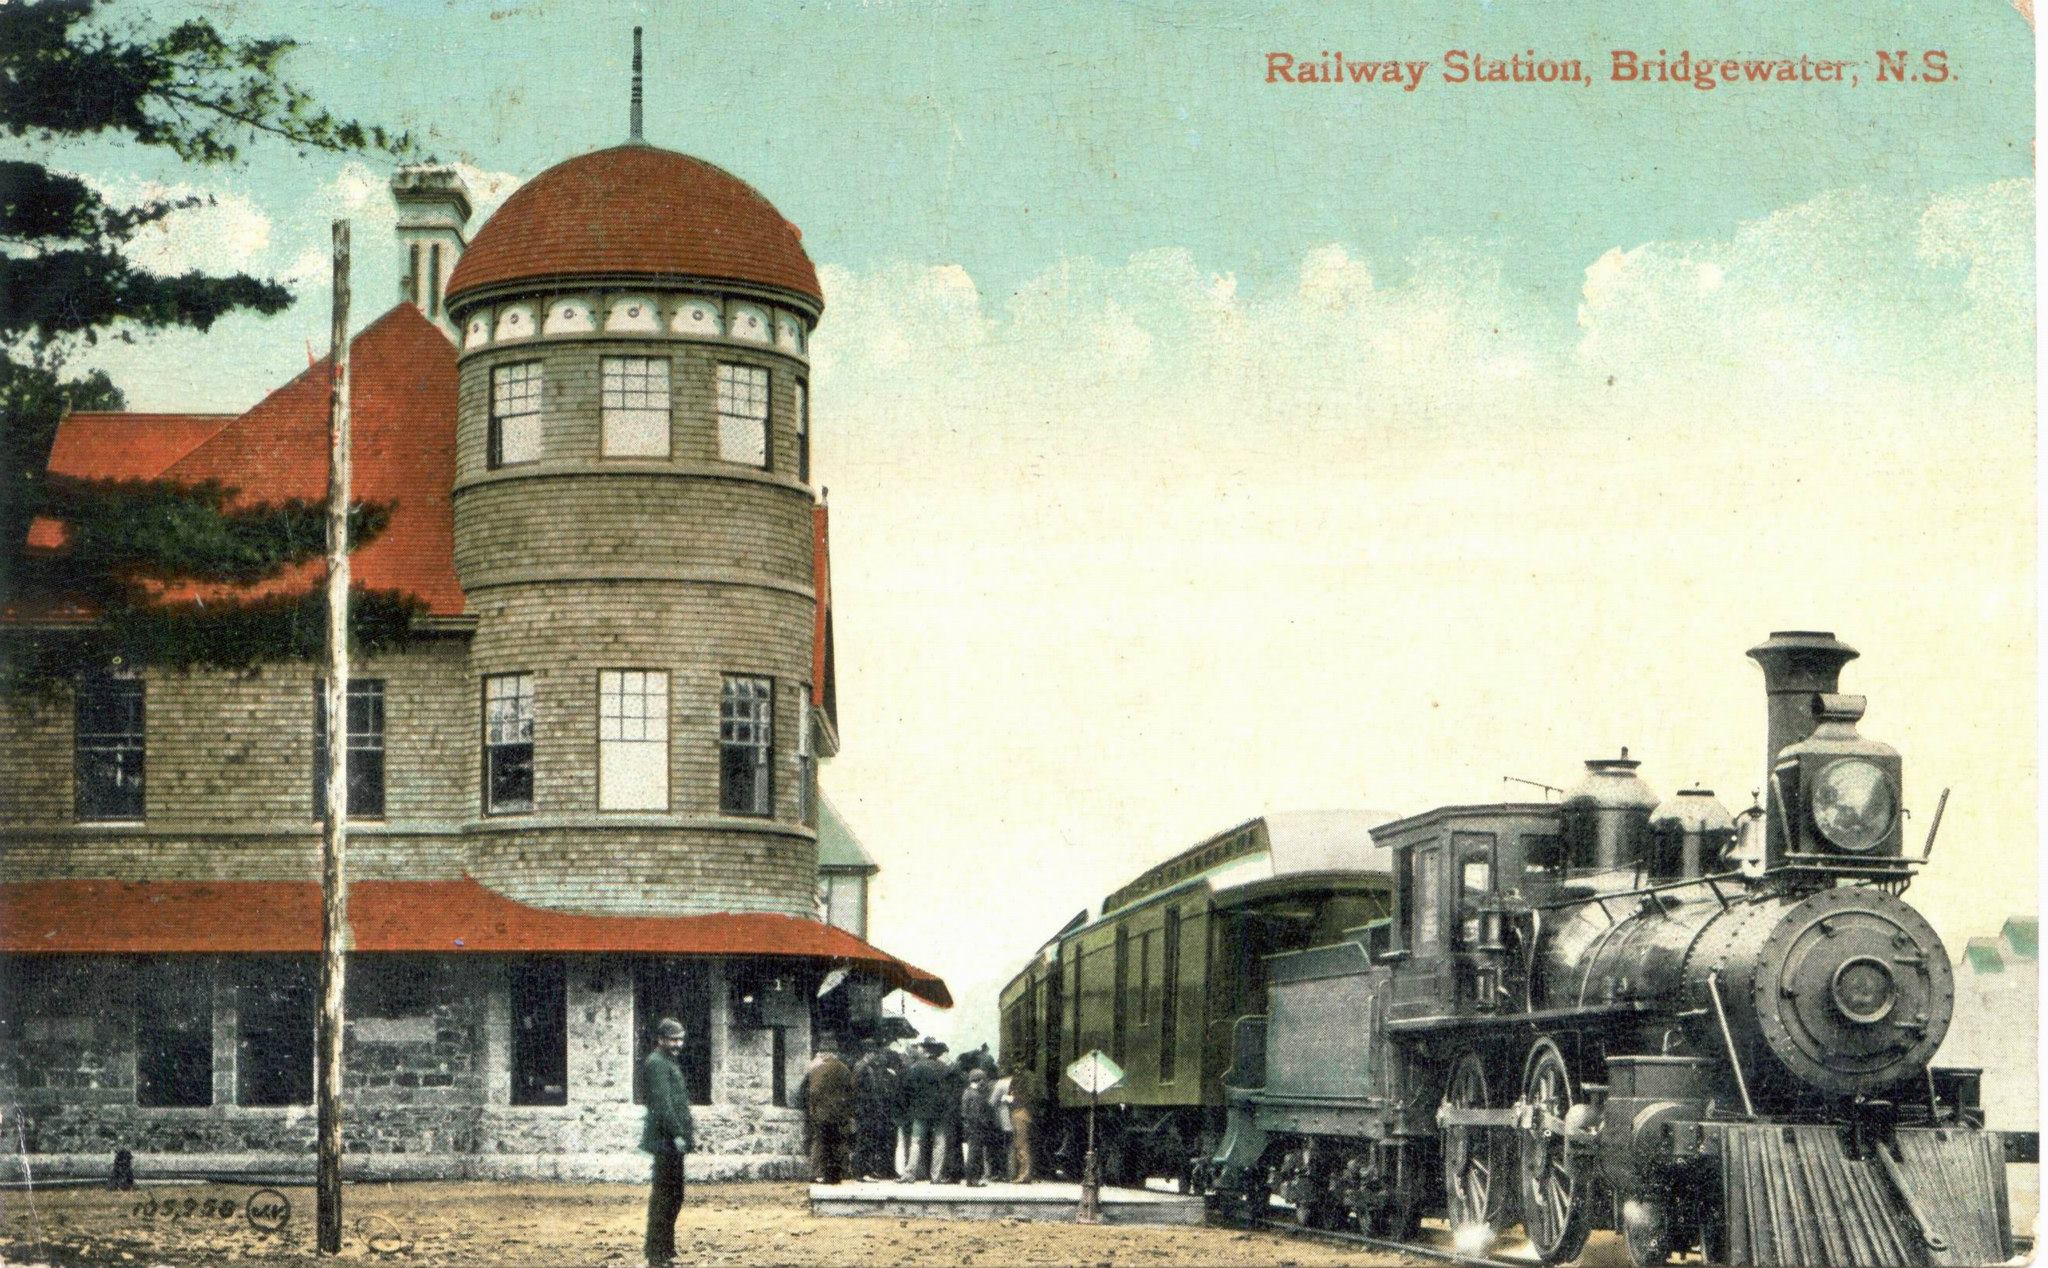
[[632, 739], [636, 405], [365, 748], [107, 749], [806, 763], [508, 743], [746, 746], [803, 431], [515, 413], [743, 414]]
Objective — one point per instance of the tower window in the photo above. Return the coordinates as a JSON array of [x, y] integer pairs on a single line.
[[803, 431], [743, 414], [632, 740], [746, 747], [636, 407], [365, 748], [508, 743], [107, 751], [515, 414]]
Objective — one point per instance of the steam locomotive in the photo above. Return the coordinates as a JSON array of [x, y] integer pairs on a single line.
[[1709, 1032]]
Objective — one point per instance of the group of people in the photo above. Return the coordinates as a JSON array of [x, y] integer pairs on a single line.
[[960, 1121], [889, 1115]]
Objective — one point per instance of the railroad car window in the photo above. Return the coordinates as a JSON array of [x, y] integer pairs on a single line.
[[1169, 997], [1119, 997], [1144, 979], [1425, 890]]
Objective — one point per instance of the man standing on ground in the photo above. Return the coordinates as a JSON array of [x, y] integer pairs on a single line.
[[977, 1126], [1026, 1091], [828, 1111], [668, 1136], [1001, 1140]]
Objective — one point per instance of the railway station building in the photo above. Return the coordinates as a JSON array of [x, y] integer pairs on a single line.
[[583, 797]]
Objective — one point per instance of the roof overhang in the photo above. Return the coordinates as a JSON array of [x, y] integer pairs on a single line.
[[460, 917]]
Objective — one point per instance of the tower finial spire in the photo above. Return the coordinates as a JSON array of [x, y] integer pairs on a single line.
[[636, 85]]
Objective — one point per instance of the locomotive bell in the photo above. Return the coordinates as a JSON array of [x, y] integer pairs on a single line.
[[1688, 832], [1607, 816]]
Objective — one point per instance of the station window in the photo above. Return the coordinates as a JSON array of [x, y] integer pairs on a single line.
[[680, 989], [743, 414], [803, 431], [274, 1011], [746, 746], [107, 753], [632, 739], [365, 748], [174, 1034], [635, 409], [391, 986], [540, 1032], [508, 743], [515, 414]]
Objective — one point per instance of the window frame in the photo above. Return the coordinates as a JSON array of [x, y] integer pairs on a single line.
[[623, 718], [490, 745], [494, 442], [803, 429], [605, 407], [720, 397], [762, 702], [366, 688], [121, 745]]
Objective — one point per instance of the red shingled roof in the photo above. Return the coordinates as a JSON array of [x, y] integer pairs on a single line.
[[637, 211], [110, 917], [402, 429]]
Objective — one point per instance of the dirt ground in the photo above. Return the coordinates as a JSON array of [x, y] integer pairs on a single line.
[[558, 1225]]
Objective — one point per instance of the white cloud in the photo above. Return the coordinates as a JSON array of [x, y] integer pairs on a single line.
[[225, 232]]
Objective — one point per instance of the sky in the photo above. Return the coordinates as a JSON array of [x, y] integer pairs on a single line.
[[1201, 446]]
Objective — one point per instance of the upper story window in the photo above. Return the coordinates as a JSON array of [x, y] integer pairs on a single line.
[[746, 747], [107, 749], [743, 414], [515, 414], [636, 407], [632, 740], [508, 743], [365, 748], [803, 431]]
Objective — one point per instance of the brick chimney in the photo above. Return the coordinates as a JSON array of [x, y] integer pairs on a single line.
[[433, 208]]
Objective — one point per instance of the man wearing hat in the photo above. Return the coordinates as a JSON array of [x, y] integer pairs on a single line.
[[925, 1098], [667, 1135]]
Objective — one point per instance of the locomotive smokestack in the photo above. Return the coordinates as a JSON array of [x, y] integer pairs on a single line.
[[1797, 664]]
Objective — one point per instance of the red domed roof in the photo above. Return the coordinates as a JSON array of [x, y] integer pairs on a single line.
[[637, 211]]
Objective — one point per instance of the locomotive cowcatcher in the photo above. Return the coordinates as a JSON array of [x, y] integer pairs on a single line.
[[1708, 1033]]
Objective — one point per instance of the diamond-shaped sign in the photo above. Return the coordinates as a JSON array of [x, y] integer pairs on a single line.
[[1095, 1072]]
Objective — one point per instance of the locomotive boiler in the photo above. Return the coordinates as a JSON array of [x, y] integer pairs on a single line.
[[1705, 1031]]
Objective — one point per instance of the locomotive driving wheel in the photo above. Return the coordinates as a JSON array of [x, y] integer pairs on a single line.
[[1556, 1211], [1476, 1174]]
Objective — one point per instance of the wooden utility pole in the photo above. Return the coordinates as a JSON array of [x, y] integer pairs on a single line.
[[334, 839]]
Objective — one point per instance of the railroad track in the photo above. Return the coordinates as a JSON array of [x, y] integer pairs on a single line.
[[1422, 1250]]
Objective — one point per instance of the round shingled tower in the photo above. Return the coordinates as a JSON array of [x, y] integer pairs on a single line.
[[633, 532]]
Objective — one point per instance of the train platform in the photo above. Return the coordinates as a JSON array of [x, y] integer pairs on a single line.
[[1047, 1200]]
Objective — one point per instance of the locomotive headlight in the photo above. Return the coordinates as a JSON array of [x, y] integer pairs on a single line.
[[1854, 804]]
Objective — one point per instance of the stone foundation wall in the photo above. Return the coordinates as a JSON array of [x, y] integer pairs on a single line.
[[427, 1055]]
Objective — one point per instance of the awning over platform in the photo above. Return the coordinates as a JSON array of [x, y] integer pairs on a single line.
[[113, 917]]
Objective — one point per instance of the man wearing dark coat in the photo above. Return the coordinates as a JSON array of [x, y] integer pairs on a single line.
[[875, 1115], [924, 1103], [828, 1112], [946, 1167], [667, 1134]]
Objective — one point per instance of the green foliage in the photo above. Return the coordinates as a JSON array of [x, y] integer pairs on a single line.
[[34, 660], [66, 282]]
